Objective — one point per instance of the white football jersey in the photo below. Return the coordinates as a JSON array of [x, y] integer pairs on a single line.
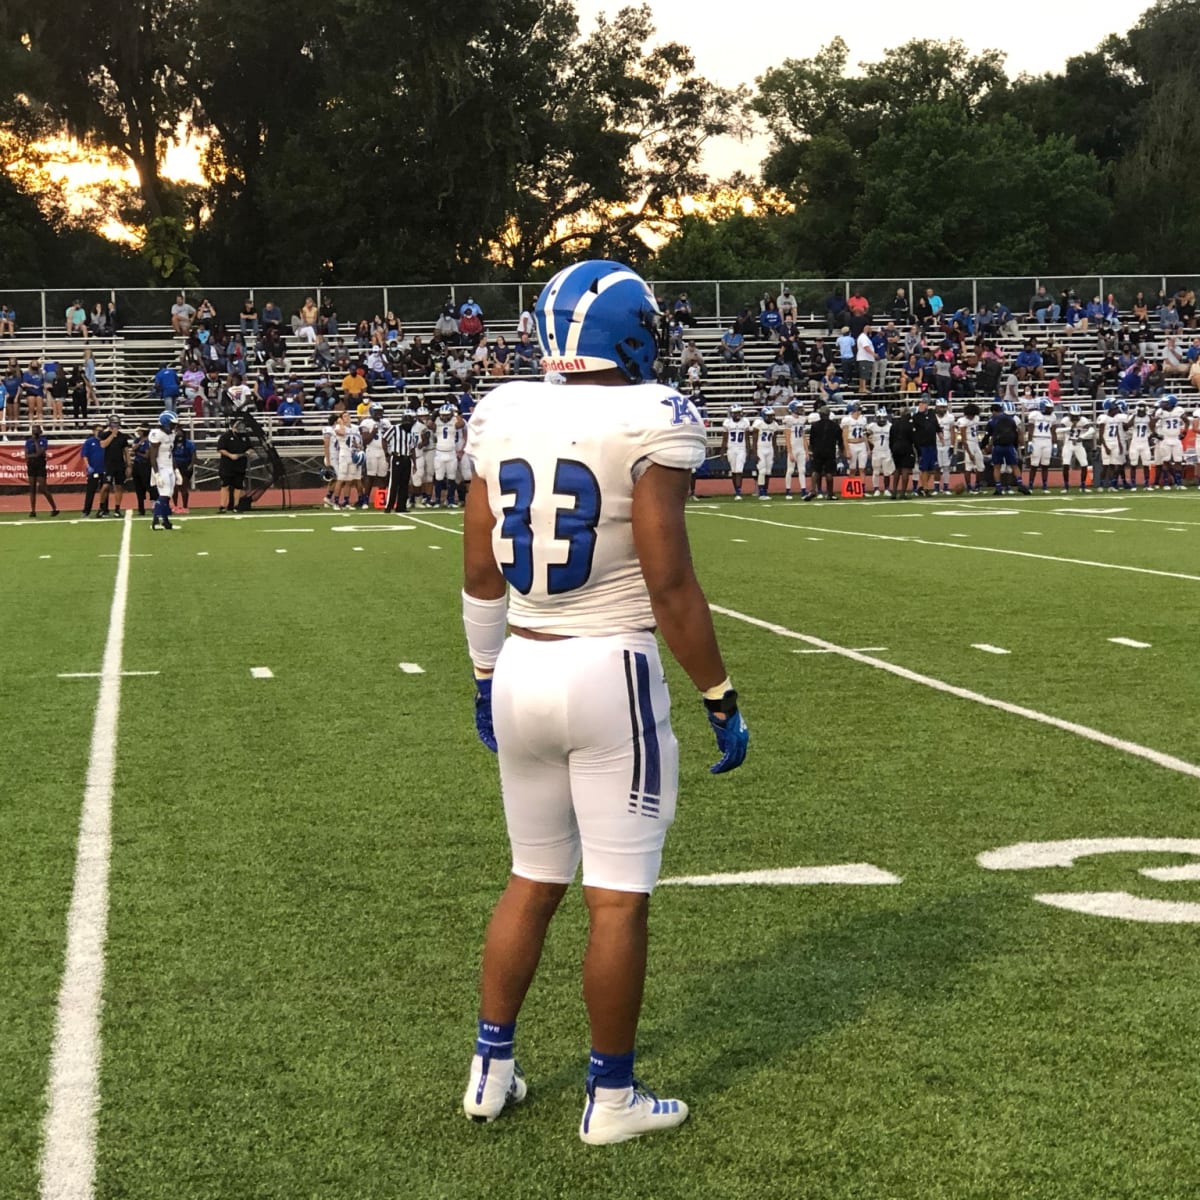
[[343, 445], [795, 426], [1076, 432], [445, 435], [738, 430], [1112, 429], [561, 494], [1170, 426], [970, 430], [946, 426], [766, 433], [855, 427], [1139, 429], [878, 435], [161, 444], [1041, 426]]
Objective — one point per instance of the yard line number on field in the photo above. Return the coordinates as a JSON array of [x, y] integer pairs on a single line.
[[68, 1161]]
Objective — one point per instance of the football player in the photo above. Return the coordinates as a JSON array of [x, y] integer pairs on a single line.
[[766, 429], [1112, 445], [795, 423], [422, 471], [447, 439], [967, 431], [162, 467], [854, 439], [1075, 433], [580, 520], [946, 439], [329, 470], [1139, 453], [1170, 426], [883, 465], [346, 454], [735, 433], [1041, 442], [376, 463]]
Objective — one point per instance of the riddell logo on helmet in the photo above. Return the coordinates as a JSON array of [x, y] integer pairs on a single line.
[[565, 364]]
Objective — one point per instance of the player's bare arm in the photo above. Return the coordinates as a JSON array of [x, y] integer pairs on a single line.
[[680, 609]]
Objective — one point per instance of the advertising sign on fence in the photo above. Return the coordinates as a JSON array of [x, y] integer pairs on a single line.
[[64, 467]]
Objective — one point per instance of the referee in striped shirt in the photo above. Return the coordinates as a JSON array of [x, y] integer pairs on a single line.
[[399, 443]]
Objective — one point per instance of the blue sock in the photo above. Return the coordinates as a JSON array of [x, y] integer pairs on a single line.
[[610, 1070], [495, 1041]]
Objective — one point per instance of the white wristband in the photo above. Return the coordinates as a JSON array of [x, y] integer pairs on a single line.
[[484, 622]]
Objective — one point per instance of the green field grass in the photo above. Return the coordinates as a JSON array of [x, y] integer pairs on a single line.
[[303, 865]]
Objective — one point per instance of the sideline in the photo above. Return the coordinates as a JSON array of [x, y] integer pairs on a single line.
[[68, 1160]]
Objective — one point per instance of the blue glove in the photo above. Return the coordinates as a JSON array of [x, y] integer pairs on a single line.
[[732, 733], [483, 714]]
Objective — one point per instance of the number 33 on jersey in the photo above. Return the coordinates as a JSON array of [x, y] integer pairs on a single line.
[[563, 534]]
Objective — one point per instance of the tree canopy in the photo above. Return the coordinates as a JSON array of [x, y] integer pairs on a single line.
[[374, 139]]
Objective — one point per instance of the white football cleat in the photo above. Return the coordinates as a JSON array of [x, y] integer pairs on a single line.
[[618, 1114], [494, 1083]]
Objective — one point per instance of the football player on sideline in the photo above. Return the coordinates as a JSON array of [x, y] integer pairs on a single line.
[[581, 521], [162, 467], [1170, 427], [795, 423], [1076, 430], [735, 433], [767, 430]]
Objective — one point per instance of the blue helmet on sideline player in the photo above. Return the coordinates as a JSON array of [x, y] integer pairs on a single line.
[[596, 316], [167, 419]]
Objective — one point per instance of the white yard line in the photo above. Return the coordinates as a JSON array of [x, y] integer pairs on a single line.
[[1124, 641], [1168, 761], [262, 673], [68, 1161], [432, 524], [919, 541], [987, 648]]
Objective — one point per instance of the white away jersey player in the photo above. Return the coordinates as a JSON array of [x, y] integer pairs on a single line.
[[945, 438], [968, 428], [560, 462], [342, 449], [738, 433], [1139, 440], [162, 461], [1112, 439], [854, 428], [1170, 428], [1041, 438], [1075, 435]]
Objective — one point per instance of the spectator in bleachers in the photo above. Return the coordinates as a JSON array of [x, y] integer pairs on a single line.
[[291, 407], [1029, 363], [56, 389], [78, 388], [323, 394], [1094, 312], [682, 311], [733, 346], [1168, 317], [912, 376], [989, 368], [878, 380], [914, 341], [787, 304], [417, 359], [309, 314], [778, 367], [193, 387], [899, 309], [114, 319], [1006, 322], [769, 321], [76, 320], [1042, 307], [98, 321], [1081, 377], [354, 386], [272, 348], [8, 321], [746, 322], [327, 318], [1185, 304], [480, 357], [859, 308], [1074, 316], [265, 390], [831, 386], [1173, 361], [272, 314], [1140, 307], [864, 355], [322, 353], [923, 309], [33, 389], [206, 314], [248, 319], [499, 362], [846, 352], [470, 325], [166, 386], [835, 310], [10, 410], [1053, 352], [525, 356], [181, 316], [446, 325]]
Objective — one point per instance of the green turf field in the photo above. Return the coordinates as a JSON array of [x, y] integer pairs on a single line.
[[302, 865]]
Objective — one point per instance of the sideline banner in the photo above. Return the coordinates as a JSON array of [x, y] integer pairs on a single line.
[[64, 467]]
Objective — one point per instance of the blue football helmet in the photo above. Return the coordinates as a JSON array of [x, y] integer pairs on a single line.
[[167, 420], [1122, 406], [852, 407], [794, 407], [1075, 410], [446, 412], [767, 414], [1045, 405], [1009, 407], [1169, 402], [597, 315]]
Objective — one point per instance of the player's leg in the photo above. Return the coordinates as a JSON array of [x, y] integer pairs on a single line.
[[529, 706], [766, 463], [624, 780]]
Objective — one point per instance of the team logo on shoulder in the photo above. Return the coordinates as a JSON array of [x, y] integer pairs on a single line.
[[682, 410]]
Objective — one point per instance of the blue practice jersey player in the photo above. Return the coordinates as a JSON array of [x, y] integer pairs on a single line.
[[575, 538], [162, 467]]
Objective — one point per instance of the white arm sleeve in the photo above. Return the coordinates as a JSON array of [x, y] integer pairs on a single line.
[[484, 622]]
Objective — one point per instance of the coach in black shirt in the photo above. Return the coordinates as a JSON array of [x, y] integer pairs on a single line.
[[900, 440], [232, 451], [116, 467], [925, 436], [824, 449]]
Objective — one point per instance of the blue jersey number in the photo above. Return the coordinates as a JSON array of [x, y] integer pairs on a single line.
[[574, 524]]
